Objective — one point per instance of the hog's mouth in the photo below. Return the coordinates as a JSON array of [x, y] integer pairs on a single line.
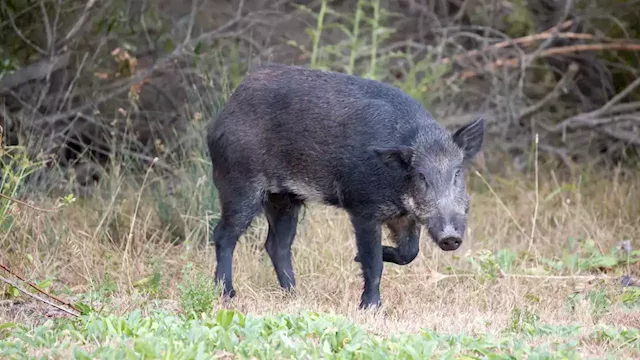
[[443, 232]]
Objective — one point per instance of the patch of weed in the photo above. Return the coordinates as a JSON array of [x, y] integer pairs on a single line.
[[308, 335], [197, 292]]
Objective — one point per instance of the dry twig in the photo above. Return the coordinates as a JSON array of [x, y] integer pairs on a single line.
[[38, 289], [21, 289]]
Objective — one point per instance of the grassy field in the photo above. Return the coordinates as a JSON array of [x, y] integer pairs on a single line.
[[537, 277]]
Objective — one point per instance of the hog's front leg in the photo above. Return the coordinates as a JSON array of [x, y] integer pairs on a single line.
[[405, 233], [369, 241]]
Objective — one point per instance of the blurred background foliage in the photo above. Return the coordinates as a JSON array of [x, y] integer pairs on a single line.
[[91, 88]]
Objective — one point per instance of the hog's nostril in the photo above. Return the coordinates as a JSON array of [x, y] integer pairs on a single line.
[[450, 243]]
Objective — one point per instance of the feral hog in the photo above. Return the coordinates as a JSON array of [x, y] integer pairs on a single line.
[[290, 135]]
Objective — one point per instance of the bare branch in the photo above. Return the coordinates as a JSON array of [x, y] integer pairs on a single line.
[[217, 32], [630, 137], [76, 27], [47, 28], [584, 118], [54, 29], [513, 62], [73, 82], [34, 71], [19, 33], [627, 46], [519, 41], [554, 94], [625, 107], [21, 289], [143, 22], [192, 18], [562, 153], [123, 86], [616, 99], [554, 31], [38, 288]]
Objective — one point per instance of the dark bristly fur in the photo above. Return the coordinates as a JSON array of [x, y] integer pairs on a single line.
[[289, 135]]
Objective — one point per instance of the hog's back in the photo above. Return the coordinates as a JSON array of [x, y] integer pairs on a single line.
[[294, 127]]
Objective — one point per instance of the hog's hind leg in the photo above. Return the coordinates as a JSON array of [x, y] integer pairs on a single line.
[[238, 209], [281, 210]]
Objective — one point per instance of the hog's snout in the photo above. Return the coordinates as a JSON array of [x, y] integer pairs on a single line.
[[450, 243], [447, 232]]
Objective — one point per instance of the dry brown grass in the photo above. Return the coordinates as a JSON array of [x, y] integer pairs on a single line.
[[78, 249]]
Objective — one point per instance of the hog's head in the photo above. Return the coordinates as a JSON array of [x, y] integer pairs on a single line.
[[433, 169]]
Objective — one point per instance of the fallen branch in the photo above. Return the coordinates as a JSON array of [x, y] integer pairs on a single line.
[[581, 122], [616, 99], [34, 71], [604, 110], [21, 289], [628, 136], [38, 289]]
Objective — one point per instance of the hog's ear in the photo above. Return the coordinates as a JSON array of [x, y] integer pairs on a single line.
[[396, 156], [469, 138]]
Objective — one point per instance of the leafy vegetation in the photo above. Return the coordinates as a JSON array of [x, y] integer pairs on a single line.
[[231, 334], [198, 293]]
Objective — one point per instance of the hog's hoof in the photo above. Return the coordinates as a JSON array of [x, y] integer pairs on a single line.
[[357, 258], [290, 292], [227, 295], [374, 307], [370, 303]]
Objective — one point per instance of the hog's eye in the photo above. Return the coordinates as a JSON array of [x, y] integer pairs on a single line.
[[423, 178], [457, 174]]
